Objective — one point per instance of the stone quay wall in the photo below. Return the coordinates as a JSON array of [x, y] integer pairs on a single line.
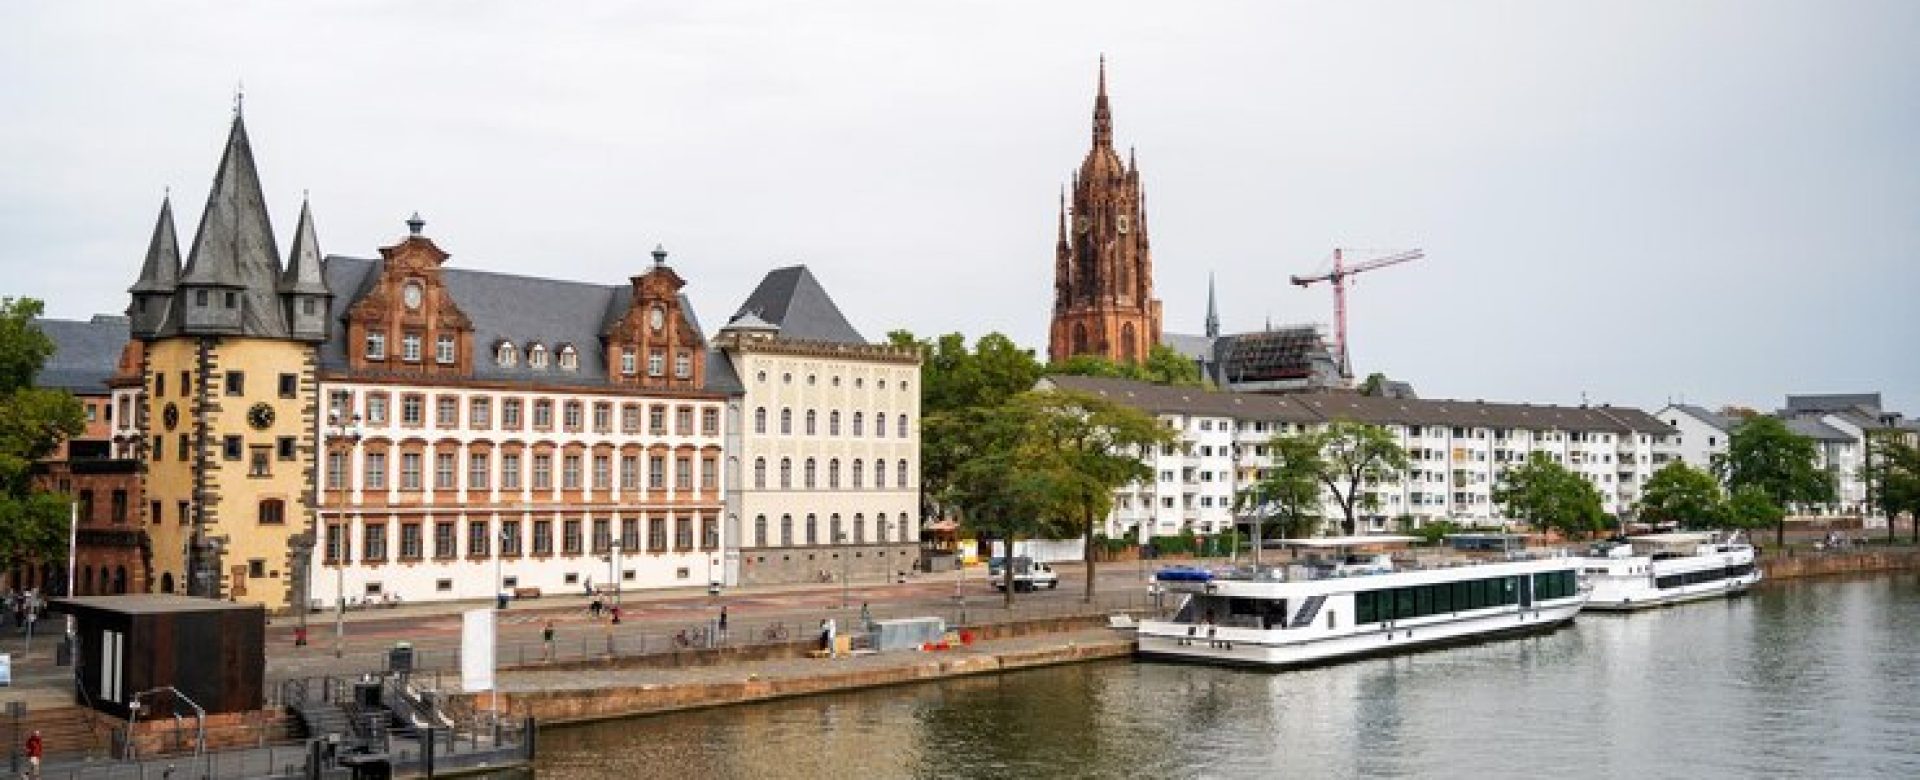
[[1794, 565]]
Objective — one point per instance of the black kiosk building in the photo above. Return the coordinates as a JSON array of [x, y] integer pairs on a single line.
[[212, 651]]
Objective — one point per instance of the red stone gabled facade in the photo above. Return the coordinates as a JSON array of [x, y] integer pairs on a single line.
[[1103, 300], [649, 344], [409, 302]]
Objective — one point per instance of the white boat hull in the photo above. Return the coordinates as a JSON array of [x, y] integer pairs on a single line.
[[1273, 649], [1650, 597]]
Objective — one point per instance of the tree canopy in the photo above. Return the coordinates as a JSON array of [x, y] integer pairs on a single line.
[[1679, 493], [33, 422], [955, 381], [1286, 498], [1894, 475], [1164, 365], [1763, 454], [1351, 455], [1549, 496]]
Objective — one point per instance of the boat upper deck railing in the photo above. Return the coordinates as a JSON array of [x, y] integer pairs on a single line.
[[1315, 568]]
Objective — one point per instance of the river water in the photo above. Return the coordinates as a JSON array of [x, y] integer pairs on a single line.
[[1798, 679]]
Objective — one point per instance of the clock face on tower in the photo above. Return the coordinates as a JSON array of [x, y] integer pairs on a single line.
[[260, 416], [410, 295], [170, 416]]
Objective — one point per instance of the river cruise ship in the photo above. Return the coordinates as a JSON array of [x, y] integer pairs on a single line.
[[1339, 603], [1661, 569]]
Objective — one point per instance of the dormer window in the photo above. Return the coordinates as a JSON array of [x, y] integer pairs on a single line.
[[629, 361], [443, 350], [569, 359], [410, 347], [656, 363], [199, 297], [683, 366], [505, 355], [376, 346], [537, 356]]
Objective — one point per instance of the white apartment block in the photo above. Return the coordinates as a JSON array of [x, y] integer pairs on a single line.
[[1457, 451]]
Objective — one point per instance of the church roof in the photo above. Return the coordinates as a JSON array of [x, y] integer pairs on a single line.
[[234, 246], [85, 353], [793, 300]]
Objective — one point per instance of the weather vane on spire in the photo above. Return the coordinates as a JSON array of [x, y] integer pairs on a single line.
[[239, 97]]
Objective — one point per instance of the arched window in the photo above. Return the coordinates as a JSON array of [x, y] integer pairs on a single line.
[[900, 477], [569, 359], [537, 356], [813, 529], [903, 426], [786, 473], [833, 530], [856, 424], [880, 425], [879, 473], [1080, 334], [859, 529], [760, 531], [119, 579], [786, 530], [505, 354], [786, 422], [760, 420], [833, 474], [760, 473], [810, 419], [810, 474], [1127, 350], [903, 528], [859, 470], [833, 423]]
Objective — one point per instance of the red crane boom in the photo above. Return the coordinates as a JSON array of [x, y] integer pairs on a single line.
[[1338, 276]]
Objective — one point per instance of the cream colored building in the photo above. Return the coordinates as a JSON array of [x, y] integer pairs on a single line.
[[825, 461]]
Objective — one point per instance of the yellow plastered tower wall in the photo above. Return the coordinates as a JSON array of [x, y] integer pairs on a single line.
[[228, 427]]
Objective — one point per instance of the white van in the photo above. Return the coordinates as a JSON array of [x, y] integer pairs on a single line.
[[1028, 575]]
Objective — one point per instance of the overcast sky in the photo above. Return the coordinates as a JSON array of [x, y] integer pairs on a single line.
[[1638, 201]]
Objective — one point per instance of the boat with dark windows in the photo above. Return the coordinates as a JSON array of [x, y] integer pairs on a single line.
[[1660, 569], [1346, 597]]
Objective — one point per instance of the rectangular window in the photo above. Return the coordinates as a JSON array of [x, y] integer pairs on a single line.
[[376, 346], [543, 472], [709, 473], [236, 383], [630, 418], [289, 385], [410, 549], [543, 413], [571, 542], [443, 541], [657, 420], [570, 472], [186, 514], [410, 347], [478, 539], [683, 421], [284, 448], [480, 414], [230, 448], [410, 471], [510, 471], [629, 362], [185, 450], [573, 415], [602, 472], [657, 534], [446, 411], [683, 533], [336, 542], [376, 541], [657, 472], [543, 537], [377, 408], [656, 363], [630, 533], [629, 472], [413, 409], [443, 470], [710, 533], [602, 535], [510, 539], [477, 471], [710, 422], [376, 478], [443, 350], [683, 473], [510, 414], [159, 384], [603, 417], [683, 366]]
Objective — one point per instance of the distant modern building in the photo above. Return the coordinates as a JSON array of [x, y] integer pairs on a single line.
[[1458, 450], [826, 464], [1841, 427]]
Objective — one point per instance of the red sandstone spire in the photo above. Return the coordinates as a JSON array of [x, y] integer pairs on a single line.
[[1102, 115]]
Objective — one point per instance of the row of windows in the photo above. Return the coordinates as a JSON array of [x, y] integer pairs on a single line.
[[882, 531], [445, 348], [1423, 600], [1703, 576], [516, 412], [573, 471], [859, 383], [235, 385], [517, 539], [811, 472], [812, 423], [1434, 431]]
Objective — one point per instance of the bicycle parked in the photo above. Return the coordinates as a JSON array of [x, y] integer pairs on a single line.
[[776, 632], [690, 637]]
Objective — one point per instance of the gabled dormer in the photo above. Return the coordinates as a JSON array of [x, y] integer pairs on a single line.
[[407, 322], [159, 278], [655, 344]]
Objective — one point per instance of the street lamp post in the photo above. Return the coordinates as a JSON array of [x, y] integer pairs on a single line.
[[839, 540], [499, 575], [613, 568], [351, 434]]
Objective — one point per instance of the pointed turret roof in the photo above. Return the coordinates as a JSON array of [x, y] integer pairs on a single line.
[[234, 245], [1213, 312], [1102, 114], [793, 300], [303, 276], [161, 271]]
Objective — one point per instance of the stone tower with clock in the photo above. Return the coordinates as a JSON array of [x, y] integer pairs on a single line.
[[228, 426], [1103, 300]]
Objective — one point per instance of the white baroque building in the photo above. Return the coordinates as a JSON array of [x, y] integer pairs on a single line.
[[1457, 451]]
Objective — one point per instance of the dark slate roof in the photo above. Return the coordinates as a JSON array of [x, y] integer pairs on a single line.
[[794, 300], [160, 272], [1816, 430], [522, 309], [1833, 402], [1316, 407], [1707, 416], [302, 274], [85, 354], [234, 245]]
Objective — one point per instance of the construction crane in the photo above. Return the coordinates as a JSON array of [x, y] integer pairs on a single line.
[[1338, 276]]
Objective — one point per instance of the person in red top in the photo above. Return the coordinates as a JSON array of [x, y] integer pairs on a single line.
[[35, 747]]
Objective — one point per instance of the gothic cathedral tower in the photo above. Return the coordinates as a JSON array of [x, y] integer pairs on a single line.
[[228, 424], [1103, 300]]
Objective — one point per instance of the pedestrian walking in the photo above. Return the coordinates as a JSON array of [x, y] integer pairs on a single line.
[[723, 622], [35, 748], [866, 617], [546, 640], [615, 612], [594, 608]]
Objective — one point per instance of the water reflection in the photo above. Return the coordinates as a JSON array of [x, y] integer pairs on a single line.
[[1798, 679]]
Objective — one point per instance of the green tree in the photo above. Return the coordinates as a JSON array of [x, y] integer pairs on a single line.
[[1092, 446], [1547, 495], [33, 422], [1287, 497], [1894, 477], [1375, 384], [1352, 455], [1762, 453], [1679, 493], [998, 489], [955, 381], [1749, 507], [1164, 365]]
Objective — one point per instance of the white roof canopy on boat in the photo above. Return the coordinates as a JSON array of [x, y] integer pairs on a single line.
[[1348, 541], [1674, 538]]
